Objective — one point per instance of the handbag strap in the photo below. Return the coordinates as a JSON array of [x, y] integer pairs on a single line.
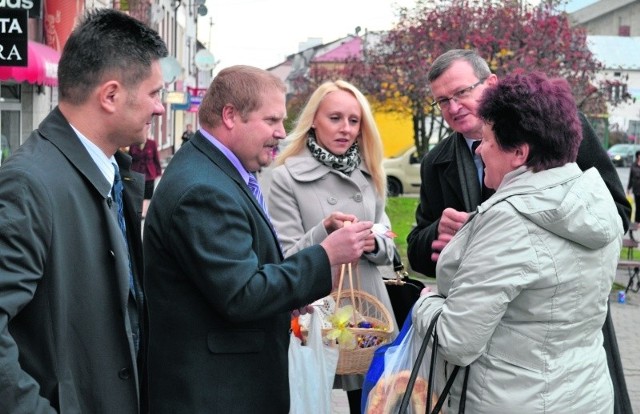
[[414, 372], [398, 266], [431, 330]]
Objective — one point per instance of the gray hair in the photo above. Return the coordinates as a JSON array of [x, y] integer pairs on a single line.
[[445, 60]]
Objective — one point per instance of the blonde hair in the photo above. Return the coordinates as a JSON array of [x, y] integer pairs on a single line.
[[369, 140]]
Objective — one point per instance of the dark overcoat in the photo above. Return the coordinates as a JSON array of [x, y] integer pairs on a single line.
[[65, 337]]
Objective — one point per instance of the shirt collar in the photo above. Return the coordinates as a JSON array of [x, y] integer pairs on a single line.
[[229, 154], [103, 163]]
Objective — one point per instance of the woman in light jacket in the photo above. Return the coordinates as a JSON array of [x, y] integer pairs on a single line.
[[331, 172], [523, 286]]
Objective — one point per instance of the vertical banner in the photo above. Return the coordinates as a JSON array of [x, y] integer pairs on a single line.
[[60, 17], [14, 37]]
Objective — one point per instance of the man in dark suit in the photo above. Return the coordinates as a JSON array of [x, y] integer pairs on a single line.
[[71, 313], [452, 174], [219, 291]]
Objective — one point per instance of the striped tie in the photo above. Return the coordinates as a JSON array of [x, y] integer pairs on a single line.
[[255, 189]]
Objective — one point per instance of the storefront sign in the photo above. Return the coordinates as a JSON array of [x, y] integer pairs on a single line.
[[13, 37], [195, 97], [174, 97], [34, 7]]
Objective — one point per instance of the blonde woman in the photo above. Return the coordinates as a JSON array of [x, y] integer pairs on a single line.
[[331, 172]]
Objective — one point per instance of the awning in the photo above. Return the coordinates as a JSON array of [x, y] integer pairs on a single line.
[[42, 68]]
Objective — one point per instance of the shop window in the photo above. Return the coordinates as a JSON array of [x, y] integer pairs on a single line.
[[10, 93]]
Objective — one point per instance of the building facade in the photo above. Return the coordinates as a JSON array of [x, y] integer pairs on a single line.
[[29, 93]]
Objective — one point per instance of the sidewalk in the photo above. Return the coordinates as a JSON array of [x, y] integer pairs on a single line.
[[626, 320]]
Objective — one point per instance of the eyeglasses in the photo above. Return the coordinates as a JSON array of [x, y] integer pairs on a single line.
[[462, 94]]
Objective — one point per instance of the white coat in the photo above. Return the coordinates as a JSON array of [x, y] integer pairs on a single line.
[[526, 283]]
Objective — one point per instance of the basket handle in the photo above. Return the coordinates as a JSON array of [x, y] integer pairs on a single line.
[[341, 282], [353, 299]]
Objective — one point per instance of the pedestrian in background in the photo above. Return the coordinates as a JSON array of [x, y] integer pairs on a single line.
[[71, 306], [633, 186], [510, 278], [331, 172], [220, 293], [451, 177], [187, 134], [145, 160]]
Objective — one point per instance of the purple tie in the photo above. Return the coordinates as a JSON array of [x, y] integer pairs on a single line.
[[255, 189]]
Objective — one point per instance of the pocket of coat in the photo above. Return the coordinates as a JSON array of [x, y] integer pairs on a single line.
[[235, 341], [527, 355]]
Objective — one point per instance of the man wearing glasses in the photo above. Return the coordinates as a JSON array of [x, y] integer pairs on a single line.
[[452, 175]]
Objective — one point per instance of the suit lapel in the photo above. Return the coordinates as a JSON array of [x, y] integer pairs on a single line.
[[467, 174], [459, 172], [219, 159]]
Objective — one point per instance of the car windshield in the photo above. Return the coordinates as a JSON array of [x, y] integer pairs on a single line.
[[621, 149]]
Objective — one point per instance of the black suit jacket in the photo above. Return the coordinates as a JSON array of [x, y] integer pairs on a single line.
[[449, 179], [219, 291]]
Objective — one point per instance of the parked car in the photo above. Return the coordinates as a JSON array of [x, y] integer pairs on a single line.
[[623, 155], [403, 172]]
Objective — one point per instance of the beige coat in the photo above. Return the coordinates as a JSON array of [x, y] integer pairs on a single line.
[[303, 192]]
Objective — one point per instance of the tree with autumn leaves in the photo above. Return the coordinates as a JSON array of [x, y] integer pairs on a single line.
[[511, 35]]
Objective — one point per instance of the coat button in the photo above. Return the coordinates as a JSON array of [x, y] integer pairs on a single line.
[[357, 197], [332, 200], [112, 253], [124, 373]]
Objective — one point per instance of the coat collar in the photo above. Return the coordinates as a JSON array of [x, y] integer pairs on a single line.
[[453, 157], [304, 168], [56, 129]]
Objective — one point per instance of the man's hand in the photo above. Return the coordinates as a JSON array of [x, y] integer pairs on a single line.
[[301, 311], [450, 222], [347, 244], [336, 221]]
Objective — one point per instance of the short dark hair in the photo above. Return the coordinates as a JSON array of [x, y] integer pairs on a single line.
[[106, 42], [536, 110]]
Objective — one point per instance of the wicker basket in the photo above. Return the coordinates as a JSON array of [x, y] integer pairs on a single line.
[[368, 308], [357, 361]]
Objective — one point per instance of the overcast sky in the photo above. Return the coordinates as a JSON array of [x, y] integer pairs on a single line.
[[263, 32]]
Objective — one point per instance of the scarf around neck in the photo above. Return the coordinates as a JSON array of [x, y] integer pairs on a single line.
[[346, 163]]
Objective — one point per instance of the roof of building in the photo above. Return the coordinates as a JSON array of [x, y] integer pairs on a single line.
[[593, 9], [616, 52], [573, 5], [350, 49]]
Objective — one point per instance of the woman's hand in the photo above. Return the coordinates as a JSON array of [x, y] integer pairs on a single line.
[[370, 244], [427, 291]]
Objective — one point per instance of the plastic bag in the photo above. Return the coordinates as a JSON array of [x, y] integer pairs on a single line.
[[312, 368], [386, 395], [377, 363]]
